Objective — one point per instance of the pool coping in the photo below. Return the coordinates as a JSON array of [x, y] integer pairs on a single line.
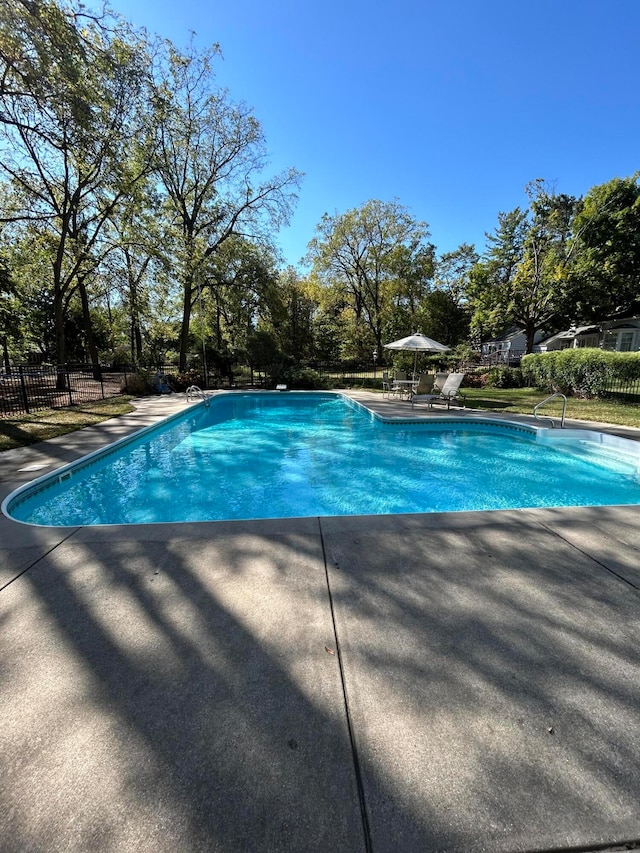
[[605, 542]]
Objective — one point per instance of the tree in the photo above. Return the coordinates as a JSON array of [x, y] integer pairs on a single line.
[[210, 157], [240, 286], [69, 118], [133, 260], [452, 271], [524, 280], [293, 324], [491, 279], [378, 256], [8, 319], [606, 231]]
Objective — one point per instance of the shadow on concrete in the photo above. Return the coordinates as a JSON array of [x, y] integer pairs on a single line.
[[179, 687], [175, 696], [493, 675], [182, 690]]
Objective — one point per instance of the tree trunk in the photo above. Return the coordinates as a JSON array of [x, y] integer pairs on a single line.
[[186, 319], [135, 331], [5, 354], [61, 345], [530, 331], [88, 330]]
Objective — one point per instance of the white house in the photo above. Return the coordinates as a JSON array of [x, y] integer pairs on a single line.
[[509, 347], [615, 335], [574, 336]]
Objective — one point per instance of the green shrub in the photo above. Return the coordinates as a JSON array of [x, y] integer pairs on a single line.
[[300, 379], [464, 354], [182, 381], [139, 384], [504, 377], [584, 372]]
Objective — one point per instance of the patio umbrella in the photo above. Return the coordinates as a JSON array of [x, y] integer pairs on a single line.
[[417, 343]]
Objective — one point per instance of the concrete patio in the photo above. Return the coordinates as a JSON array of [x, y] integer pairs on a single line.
[[444, 682]]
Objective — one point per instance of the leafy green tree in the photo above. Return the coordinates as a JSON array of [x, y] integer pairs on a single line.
[[28, 259], [491, 280], [524, 278], [606, 264], [379, 258], [240, 287], [69, 117], [452, 271], [442, 318], [293, 324], [133, 263], [210, 159]]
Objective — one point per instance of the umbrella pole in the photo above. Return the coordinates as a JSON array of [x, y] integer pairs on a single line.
[[415, 361]]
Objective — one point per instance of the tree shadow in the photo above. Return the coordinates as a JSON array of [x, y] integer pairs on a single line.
[[181, 690], [176, 696], [494, 674]]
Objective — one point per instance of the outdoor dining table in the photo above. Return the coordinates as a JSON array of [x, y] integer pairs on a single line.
[[402, 385]]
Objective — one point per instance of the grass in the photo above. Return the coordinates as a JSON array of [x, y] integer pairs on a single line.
[[521, 401], [21, 430]]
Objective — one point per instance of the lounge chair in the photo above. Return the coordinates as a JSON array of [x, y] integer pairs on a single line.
[[450, 391], [438, 385], [426, 384]]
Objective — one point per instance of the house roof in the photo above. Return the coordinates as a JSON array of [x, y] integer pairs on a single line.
[[570, 334], [512, 332]]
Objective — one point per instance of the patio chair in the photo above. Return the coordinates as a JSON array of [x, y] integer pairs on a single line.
[[386, 383], [161, 384], [426, 383], [450, 391], [399, 390]]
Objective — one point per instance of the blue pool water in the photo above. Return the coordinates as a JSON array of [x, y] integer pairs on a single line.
[[286, 455]]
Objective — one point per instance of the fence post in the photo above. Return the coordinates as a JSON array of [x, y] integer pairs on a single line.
[[101, 381], [68, 375], [25, 396]]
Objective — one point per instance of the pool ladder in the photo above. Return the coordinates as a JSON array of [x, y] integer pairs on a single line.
[[196, 393], [548, 417]]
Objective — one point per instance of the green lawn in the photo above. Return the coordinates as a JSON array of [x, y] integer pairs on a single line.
[[20, 430], [521, 401]]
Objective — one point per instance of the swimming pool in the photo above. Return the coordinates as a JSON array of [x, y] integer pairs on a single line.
[[273, 455]]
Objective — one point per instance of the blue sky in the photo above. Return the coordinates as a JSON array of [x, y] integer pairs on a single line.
[[450, 106]]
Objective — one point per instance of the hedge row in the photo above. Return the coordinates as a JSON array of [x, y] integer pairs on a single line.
[[582, 372]]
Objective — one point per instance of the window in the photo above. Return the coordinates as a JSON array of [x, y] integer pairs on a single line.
[[587, 341], [625, 341], [621, 340]]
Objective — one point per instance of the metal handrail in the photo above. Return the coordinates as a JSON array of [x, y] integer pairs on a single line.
[[194, 392], [548, 417]]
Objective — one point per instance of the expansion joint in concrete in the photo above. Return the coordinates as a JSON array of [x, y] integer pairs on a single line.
[[40, 558], [366, 830], [589, 556]]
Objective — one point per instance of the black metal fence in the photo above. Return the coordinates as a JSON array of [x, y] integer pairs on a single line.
[[625, 390], [30, 389], [27, 389]]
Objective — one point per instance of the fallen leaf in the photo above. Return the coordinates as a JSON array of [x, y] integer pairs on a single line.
[[330, 651]]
